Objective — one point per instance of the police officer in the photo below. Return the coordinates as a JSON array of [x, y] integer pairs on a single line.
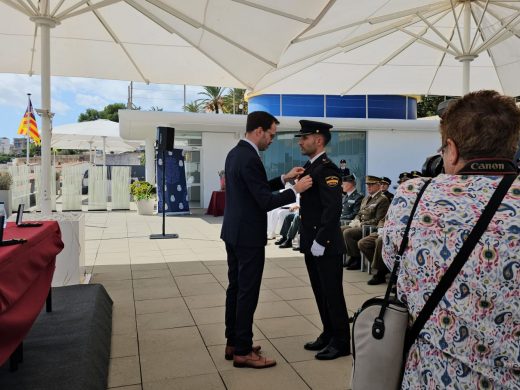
[[351, 199], [385, 183], [344, 171], [373, 208], [322, 243]]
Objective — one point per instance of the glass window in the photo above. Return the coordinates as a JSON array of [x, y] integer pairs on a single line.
[[284, 153]]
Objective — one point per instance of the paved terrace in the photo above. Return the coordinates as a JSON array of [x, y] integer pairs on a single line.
[[168, 317]]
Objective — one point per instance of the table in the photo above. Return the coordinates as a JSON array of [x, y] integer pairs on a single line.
[[217, 203], [26, 272]]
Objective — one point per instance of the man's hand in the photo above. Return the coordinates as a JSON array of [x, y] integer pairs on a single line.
[[294, 207], [303, 184], [355, 223], [293, 173], [317, 249]]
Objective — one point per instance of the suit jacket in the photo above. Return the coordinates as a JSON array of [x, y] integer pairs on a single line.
[[374, 209], [320, 208], [249, 197], [351, 205]]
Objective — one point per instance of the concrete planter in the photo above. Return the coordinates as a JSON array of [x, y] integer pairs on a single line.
[[6, 197], [145, 207]]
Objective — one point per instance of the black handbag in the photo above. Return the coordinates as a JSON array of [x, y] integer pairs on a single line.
[[381, 337]]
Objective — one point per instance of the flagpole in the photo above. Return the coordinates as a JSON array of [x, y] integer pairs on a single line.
[[28, 125]]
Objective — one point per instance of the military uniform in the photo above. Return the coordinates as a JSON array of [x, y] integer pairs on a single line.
[[320, 210], [351, 205], [373, 209]]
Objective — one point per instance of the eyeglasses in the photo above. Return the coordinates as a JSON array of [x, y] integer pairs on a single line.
[[442, 148]]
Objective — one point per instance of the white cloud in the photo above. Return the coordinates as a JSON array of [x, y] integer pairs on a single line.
[[90, 101]]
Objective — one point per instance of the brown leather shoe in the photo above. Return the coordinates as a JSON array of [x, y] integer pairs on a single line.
[[253, 360], [230, 351]]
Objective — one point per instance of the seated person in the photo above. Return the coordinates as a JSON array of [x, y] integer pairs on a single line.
[[373, 208], [290, 227], [275, 217], [351, 199], [372, 246], [385, 183]]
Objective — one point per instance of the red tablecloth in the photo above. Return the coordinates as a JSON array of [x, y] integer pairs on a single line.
[[217, 203], [26, 272]]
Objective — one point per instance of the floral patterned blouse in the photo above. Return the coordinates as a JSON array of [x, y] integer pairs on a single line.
[[472, 340]]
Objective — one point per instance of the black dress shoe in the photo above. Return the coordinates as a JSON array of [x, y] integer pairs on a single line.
[[286, 244], [331, 352], [354, 266], [377, 279], [352, 260], [316, 345], [280, 241], [296, 249]]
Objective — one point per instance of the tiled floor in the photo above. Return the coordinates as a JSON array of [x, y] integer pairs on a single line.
[[168, 317]]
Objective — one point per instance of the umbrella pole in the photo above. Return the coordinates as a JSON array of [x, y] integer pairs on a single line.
[[45, 25]]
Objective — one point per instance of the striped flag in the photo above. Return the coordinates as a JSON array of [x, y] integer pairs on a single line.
[[29, 123]]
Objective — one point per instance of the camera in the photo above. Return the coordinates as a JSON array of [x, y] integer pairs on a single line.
[[433, 166]]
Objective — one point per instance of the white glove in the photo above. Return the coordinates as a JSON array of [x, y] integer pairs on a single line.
[[317, 249], [380, 231]]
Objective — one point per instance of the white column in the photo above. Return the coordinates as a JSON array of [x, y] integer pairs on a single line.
[[149, 148]]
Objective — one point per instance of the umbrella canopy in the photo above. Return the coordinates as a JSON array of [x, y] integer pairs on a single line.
[[201, 42], [99, 134], [443, 47]]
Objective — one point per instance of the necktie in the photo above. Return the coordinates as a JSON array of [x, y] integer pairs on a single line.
[[307, 164]]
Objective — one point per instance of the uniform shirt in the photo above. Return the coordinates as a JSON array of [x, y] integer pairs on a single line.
[[373, 209], [351, 204], [472, 339], [320, 207]]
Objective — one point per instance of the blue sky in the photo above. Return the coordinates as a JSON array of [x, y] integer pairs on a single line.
[[72, 96]]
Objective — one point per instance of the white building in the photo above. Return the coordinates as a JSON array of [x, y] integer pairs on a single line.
[[5, 145], [383, 147]]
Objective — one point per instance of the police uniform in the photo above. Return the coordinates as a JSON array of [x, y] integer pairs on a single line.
[[373, 209], [350, 203], [388, 194], [320, 210], [343, 171]]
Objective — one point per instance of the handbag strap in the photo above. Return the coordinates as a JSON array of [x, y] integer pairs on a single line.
[[378, 328], [460, 259]]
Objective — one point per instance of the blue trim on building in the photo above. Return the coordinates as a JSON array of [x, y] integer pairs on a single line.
[[335, 106]]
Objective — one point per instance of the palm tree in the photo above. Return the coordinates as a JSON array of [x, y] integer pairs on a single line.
[[235, 97], [194, 106], [213, 98]]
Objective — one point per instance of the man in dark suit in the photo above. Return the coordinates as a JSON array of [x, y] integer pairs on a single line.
[[351, 199], [249, 197], [322, 243], [385, 183]]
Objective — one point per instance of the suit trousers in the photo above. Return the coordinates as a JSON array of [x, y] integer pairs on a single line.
[[372, 248], [245, 268], [326, 276], [352, 235]]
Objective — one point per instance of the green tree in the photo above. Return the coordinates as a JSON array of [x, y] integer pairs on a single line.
[[213, 100], [194, 106], [110, 112], [427, 106], [235, 96]]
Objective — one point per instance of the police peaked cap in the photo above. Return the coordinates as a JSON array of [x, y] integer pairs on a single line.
[[314, 127], [386, 180], [350, 178]]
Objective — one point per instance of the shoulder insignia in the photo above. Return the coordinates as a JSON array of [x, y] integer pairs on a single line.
[[332, 181]]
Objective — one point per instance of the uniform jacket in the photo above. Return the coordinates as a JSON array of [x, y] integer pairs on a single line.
[[373, 210], [320, 208], [351, 205], [249, 197], [389, 195]]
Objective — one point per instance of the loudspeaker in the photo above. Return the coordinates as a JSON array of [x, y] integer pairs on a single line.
[[165, 138]]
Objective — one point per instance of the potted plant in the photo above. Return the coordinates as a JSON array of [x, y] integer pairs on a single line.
[[144, 196], [5, 191]]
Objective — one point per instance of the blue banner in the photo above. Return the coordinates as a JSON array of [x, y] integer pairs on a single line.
[[176, 192]]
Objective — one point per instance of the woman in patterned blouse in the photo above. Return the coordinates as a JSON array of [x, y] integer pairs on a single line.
[[472, 339]]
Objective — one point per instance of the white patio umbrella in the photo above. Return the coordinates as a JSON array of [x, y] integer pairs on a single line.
[[443, 47], [100, 134], [200, 42]]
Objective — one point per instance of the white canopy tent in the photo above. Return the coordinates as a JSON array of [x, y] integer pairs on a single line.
[[100, 134]]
